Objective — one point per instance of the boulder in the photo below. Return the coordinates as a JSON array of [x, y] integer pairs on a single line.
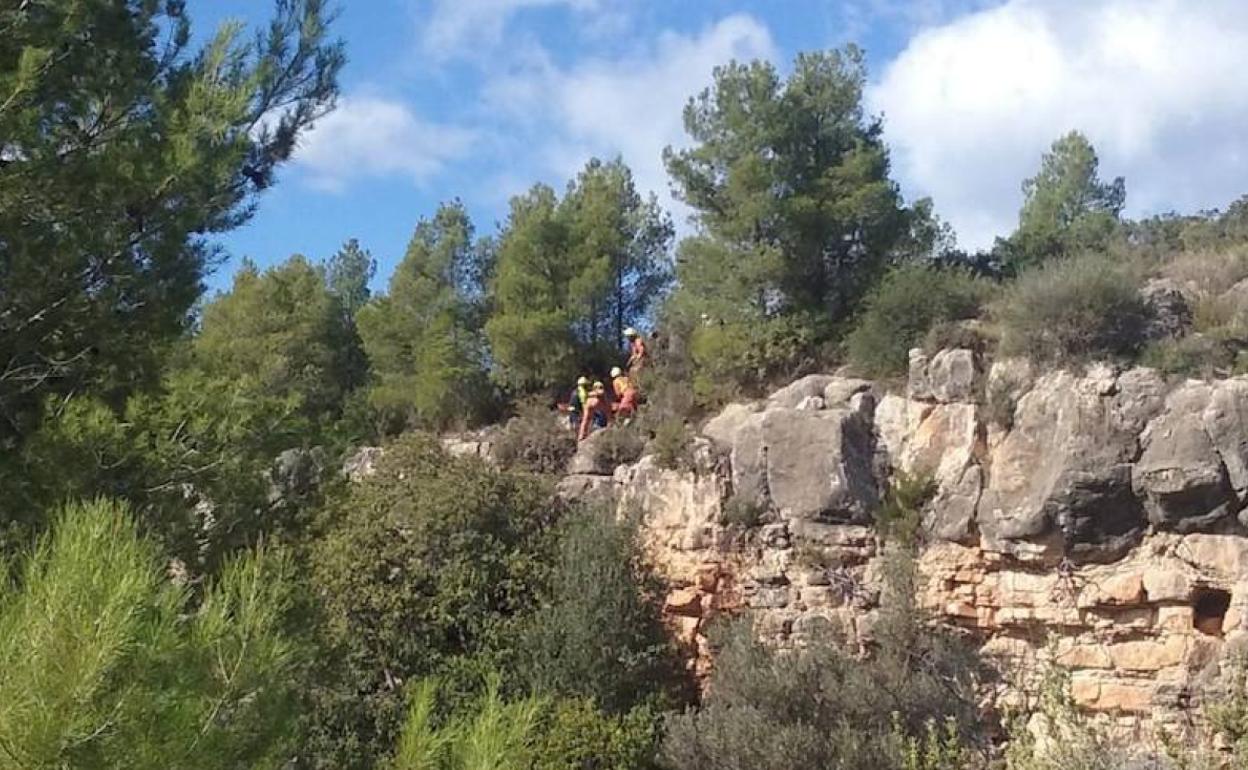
[[954, 375], [896, 420], [362, 463], [587, 489], [949, 376], [295, 474], [1180, 476], [950, 514], [1169, 315], [722, 428], [840, 390], [807, 465], [1061, 478], [794, 393], [590, 458], [917, 386]]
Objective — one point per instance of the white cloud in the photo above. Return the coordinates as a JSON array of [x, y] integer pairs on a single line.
[[376, 137], [456, 27], [630, 106], [1156, 85]]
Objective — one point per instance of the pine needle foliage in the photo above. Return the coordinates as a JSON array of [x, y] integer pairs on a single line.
[[104, 663]]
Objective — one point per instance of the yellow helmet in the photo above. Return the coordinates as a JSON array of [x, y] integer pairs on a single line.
[[630, 332]]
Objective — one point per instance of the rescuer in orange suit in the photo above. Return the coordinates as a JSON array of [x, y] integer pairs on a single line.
[[597, 411]]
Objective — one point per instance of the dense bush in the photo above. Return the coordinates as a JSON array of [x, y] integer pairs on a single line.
[[821, 706], [672, 445], [424, 571], [910, 301], [535, 440], [1086, 307], [600, 635], [531, 733]]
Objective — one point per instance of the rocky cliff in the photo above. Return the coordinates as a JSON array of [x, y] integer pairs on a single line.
[[1095, 517]]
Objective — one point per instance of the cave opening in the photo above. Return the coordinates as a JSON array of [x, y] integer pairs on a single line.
[[1209, 607]]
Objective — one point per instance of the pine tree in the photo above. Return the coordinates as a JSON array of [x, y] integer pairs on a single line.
[[282, 331], [421, 338], [122, 152], [1066, 208], [797, 215], [108, 664], [572, 273]]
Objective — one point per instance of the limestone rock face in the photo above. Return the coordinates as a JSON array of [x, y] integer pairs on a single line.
[[793, 394], [1090, 517], [1061, 477], [1180, 475], [809, 465], [722, 429], [589, 460]]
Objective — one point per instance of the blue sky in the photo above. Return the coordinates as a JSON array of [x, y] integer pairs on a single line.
[[478, 99]]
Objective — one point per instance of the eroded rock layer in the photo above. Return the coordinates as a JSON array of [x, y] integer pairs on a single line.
[[1094, 517]]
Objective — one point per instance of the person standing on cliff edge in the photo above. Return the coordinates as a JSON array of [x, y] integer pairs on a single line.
[[636, 352]]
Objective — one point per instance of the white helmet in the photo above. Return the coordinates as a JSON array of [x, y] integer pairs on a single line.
[[630, 332], [616, 371]]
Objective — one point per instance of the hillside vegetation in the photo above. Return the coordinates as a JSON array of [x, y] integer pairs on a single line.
[[190, 582]]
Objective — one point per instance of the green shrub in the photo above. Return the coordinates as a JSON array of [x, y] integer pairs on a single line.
[[741, 511], [823, 706], [1196, 355], [599, 634], [735, 359], [530, 733], [672, 445], [574, 735], [535, 440], [909, 302], [1076, 309], [425, 569], [899, 518]]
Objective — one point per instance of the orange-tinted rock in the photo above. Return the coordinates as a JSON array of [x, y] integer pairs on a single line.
[[685, 602], [1148, 655]]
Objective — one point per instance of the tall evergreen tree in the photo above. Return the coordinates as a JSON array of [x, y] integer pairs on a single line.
[[1066, 207], [572, 273], [422, 339], [122, 151], [282, 331], [789, 182], [347, 274]]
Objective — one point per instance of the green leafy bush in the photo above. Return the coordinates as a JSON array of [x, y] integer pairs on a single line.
[[672, 445], [535, 440], [822, 706], [600, 635], [910, 301], [531, 733], [899, 518], [424, 570], [741, 511], [1077, 309]]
